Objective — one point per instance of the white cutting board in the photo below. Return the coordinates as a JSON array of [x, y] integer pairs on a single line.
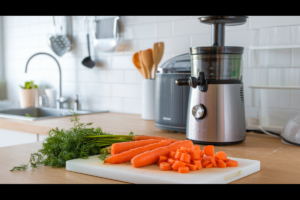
[[153, 175]]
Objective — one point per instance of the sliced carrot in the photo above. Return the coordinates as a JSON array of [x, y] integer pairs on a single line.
[[227, 160], [171, 161], [209, 166], [126, 156], [187, 150], [125, 146], [165, 166], [177, 155], [183, 170], [205, 162], [191, 167], [162, 159], [178, 164], [232, 163], [195, 154], [201, 153], [209, 150], [221, 155], [197, 163], [150, 157], [213, 161], [206, 157], [172, 154], [221, 164], [196, 147], [185, 158], [147, 137]]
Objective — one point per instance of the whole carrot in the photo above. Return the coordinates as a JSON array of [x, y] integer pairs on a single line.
[[147, 137], [126, 156], [125, 146], [150, 157]]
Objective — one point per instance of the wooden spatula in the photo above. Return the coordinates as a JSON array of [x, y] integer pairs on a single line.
[[147, 59], [144, 70], [158, 51], [136, 62]]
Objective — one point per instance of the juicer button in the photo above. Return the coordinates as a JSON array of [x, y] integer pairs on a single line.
[[199, 111]]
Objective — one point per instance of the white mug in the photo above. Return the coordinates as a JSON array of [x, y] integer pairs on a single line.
[[51, 96]]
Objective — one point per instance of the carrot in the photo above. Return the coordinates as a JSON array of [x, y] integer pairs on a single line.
[[147, 137], [172, 154], [209, 166], [232, 163], [178, 164], [205, 162], [162, 159], [187, 150], [201, 153], [221, 164], [177, 155], [195, 154], [191, 167], [183, 170], [150, 157], [165, 166], [221, 155], [227, 160], [209, 150], [197, 163], [213, 161], [206, 157], [171, 161], [196, 147], [185, 158], [125, 146], [126, 156]]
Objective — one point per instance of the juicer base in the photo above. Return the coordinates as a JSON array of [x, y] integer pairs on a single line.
[[216, 143]]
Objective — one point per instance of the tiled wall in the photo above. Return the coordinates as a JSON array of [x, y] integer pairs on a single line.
[[114, 84]]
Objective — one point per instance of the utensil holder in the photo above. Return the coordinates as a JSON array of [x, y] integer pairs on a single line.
[[148, 99], [28, 97]]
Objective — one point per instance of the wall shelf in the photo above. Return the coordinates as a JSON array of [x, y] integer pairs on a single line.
[[275, 87], [274, 47]]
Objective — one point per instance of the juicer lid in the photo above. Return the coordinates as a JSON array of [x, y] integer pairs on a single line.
[[216, 50], [178, 64]]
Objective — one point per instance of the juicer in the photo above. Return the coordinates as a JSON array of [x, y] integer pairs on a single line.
[[216, 112]]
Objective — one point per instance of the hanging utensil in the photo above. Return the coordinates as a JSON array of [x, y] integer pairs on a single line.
[[158, 51], [60, 44], [137, 64], [147, 59], [88, 61]]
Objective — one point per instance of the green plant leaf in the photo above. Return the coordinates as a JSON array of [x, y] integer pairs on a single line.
[[27, 115]]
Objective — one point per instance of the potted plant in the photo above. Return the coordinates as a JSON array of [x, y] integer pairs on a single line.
[[28, 94]]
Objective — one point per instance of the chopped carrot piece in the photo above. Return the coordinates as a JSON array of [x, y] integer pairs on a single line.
[[177, 155], [213, 161], [162, 159], [227, 160], [171, 161], [165, 166], [196, 147], [209, 166], [191, 167], [183, 170], [195, 154], [201, 153], [197, 163], [206, 157], [209, 150], [177, 164], [205, 162], [172, 154], [232, 163], [185, 158], [221, 155], [187, 150], [221, 164]]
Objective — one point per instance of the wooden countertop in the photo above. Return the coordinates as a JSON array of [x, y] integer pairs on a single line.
[[279, 162]]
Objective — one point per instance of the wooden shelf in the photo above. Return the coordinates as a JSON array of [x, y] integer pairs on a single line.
[[275, 87], [274, 47]]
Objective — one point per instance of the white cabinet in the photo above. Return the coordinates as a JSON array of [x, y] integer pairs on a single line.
[[9, 137]]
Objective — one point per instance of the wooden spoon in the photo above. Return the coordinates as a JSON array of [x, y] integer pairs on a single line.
[[136, 62], [147, 59], [144, 70], [158, 51]]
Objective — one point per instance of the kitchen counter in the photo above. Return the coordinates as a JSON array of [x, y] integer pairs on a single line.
[[279, 162]]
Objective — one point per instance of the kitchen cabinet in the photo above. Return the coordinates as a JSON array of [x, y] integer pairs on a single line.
[[10, 137]]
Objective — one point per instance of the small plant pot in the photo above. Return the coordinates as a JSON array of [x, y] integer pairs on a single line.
[[28, 97]]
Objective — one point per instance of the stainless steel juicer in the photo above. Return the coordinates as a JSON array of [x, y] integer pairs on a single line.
[[216, 113]]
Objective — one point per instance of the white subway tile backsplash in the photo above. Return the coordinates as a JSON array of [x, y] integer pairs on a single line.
[[177, 44], [146, 19], [200, 40], [296, 57], [139, 31], [122, 62], [268, 21], [88, 75], [126, 90], [29, 20], [132, 76], [115, 105], [98, 89], [163, 29], [132, 106], [169, 18], [189, 26], [295, 97], [114, 76]]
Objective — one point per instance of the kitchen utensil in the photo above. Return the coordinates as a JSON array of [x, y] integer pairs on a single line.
[[148, 99], [60, 44], [88, 60], [144, 69], [291, 131], [171, 101], [153, 175], [106, 34], [158, 51], [216, 112], [147, 59], [136, 62]]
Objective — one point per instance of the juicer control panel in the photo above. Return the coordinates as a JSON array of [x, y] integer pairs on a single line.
[[199, 111]]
